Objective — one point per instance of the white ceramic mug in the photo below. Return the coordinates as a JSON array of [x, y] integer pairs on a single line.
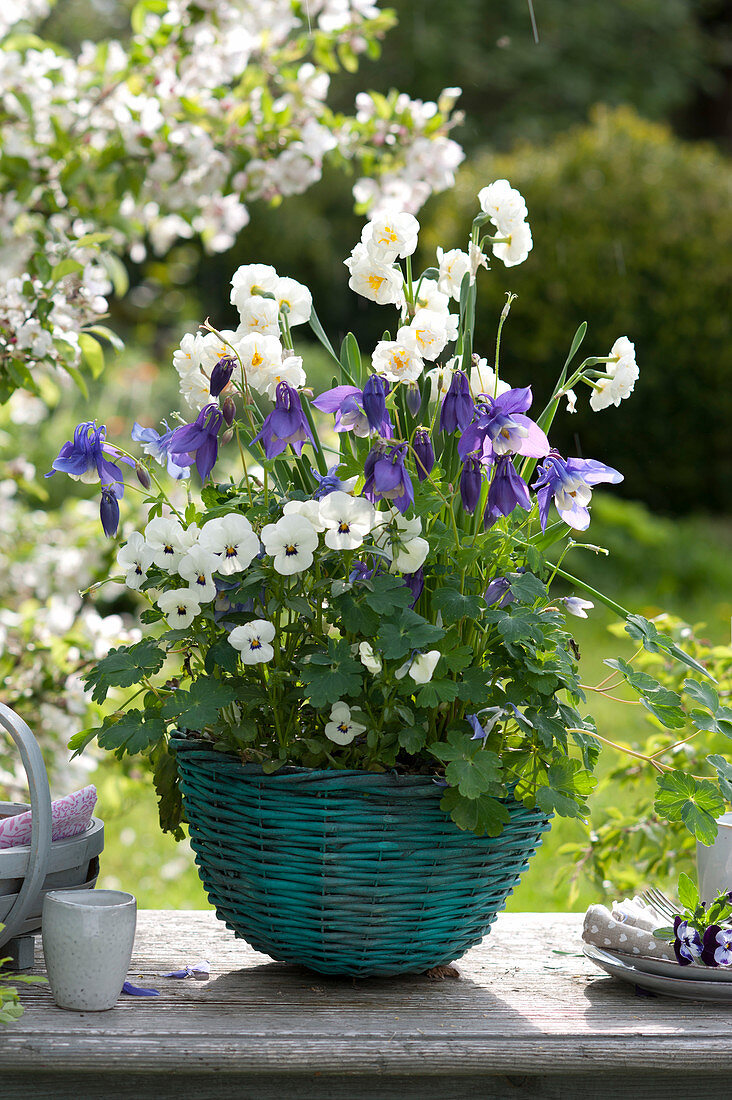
[[714, 863], [87, 941]]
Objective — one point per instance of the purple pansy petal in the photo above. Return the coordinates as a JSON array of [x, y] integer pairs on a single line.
[[710, 945], [138, 991]]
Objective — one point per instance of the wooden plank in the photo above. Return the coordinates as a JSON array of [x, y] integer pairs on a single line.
[[519, 1009]]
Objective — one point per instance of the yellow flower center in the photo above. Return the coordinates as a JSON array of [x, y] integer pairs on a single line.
[[257, 359], [343, 528], [375, 282], [255, 644], [290, 550], [230, 552]]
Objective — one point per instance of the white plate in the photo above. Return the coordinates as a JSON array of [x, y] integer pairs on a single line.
[[672, 969], [659, 983]]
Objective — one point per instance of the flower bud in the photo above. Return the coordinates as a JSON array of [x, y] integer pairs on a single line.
[[423, 453], [221, 374], [374, 400], [414, 398], [109, 512], [470, 484], [227, 436], [229, 409], [142, 476]]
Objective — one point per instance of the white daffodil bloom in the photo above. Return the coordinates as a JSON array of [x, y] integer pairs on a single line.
[[252, 640], [398, 360], [377, 282], [391, 235], [135, 558], [231, 540], [400, 540], [341, 728], [166, 539], [261, 356], [290, 370], [294, 299], [432, 331], [483, 380], [454, 266], [180, 606], [260, 315], [291, 542], [439, 379], [571, 401], [428, 296], [601, 396], [187, 357], [347, 519], [516, 249], [423, 666], [310, 509], [195, 387], [369, 659], [504, 205], [622, 375], [477, 259], [197, 567], [215, 347], [251, 280]]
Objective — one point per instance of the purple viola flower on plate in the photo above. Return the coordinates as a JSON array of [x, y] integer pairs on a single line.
[[198, 441], [507, 491], [387, 477], [88, 457], [471, 480], [424, 454], [717, 946], [569, 482], [286, 423], [501, 428], [158, 447], [687, 942], [347, 403], [457, 405]]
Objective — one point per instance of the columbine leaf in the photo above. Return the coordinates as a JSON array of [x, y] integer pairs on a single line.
[[455, 606], [437, 691], [702, 693], [723, 769], [411, 631], [659, 700], [696, 802], [566, 789], [132, 732], [222, 655], [165, 779], [199, 707], [387, 593], [483, 815], [471, 768], [721, 722], [125, 666], [527, 588], [646, 633], [413, 739], [331, 676]]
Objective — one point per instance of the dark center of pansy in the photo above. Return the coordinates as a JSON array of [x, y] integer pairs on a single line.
[[230, 552], [343, 528], [290, 550]]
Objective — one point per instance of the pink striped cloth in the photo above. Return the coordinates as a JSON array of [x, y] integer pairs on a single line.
[[69, 817]]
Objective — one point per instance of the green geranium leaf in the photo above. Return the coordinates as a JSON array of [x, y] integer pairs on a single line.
[[125, 666], [696, 802], [132, 732], [199, 707], [484, 815], [455, 606]]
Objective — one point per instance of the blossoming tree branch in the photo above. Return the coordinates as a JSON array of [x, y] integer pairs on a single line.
[[125, 148], [367, 579]]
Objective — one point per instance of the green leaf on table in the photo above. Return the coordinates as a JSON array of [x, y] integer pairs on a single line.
[[483, 815], [386, 593], [696, 802], [124, 667], [688, 893], [199, 707], [328, 677], [455, 606], [132, 732]]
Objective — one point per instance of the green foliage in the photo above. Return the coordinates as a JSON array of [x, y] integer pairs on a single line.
[[10, 1007], [125, 666], [695, 802]]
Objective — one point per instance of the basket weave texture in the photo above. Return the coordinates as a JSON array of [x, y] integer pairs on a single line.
[[346, 872]]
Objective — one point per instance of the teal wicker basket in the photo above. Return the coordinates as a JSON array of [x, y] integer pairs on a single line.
[[346, 872]]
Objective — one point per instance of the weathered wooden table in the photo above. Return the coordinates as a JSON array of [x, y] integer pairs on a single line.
[[522, 1022]]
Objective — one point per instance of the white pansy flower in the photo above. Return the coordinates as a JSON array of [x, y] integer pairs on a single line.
[[165, 537], [231, 539], [504, 205], [432, 331], [135, 558], [398, 360], [261, 356], [515, 250], [187, 357], [423, 666], [483, 380], [295, 298], [195, 387], [348, 520], [342, 729], [291, 542], [369, 659], [197, 567], [454, 266], [252, 640], [377, 282], [180, 606], [391, 235], [400, 539], [252, 279], [310, 509], [258, 315], [290, 370]]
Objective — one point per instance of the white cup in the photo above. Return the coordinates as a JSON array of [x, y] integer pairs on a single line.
[[87, 941], [714, 863]]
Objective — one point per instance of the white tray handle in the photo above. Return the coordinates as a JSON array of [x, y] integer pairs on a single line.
[[40, 800]]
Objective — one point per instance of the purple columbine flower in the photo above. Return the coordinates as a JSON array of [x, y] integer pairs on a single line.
[[415, 583], [507, 491], [470, 483], [374, 401], [328, 482], [158, 446], [109, 512], [286, 423], [499, 592], [86, 458], [347, 402], [717, 946], [500, 428], [687, 943], [198, 441], [423, 453], [360, 571], [457, 406], [387, 477], [221, 374], [482, 729], [569, 482]]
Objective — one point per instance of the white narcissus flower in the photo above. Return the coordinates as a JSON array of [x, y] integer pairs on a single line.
[[290, 370], [432, 331], [454, 266], [231, 540], [341, 728], [165, 537], [260, 315], [252, 279], [398, 360], [477, 259], [135, 558], [483, 380], [391, 235], [252, 640], [260, 355], [187, 357], [180, 606], [429, 297], [197, 567], [439, 379], [622, 375], [348, 520], [195, 387], [368, 658], [294, 299], [377, 282], [517, 248], [400, 540], [423, 666], [310, 509], [504, 205], [215, 346], [291, 542]]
